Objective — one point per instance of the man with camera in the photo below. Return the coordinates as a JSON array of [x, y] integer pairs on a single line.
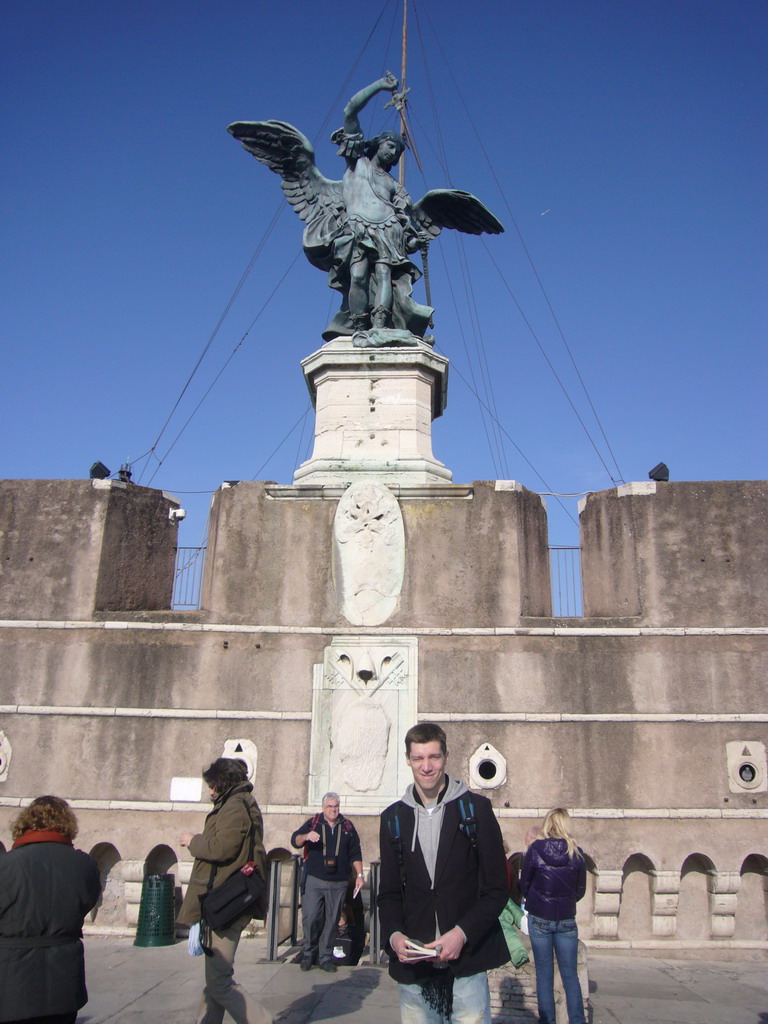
[[331, 850]]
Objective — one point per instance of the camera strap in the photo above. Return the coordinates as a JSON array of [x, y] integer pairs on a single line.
[[325, 839]]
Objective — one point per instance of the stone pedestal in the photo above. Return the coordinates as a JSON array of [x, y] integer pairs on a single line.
[[374, 411]]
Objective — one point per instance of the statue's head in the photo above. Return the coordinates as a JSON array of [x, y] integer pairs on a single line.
[[373, 145]]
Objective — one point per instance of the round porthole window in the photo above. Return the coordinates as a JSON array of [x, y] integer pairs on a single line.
[[245, 750], [746, 766], [487, 768]]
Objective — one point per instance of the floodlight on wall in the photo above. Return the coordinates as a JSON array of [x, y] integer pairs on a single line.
[[99, 471], [660, 473]]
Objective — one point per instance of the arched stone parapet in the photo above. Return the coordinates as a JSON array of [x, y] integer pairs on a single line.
[[665, 889], [607, 902], [635, 920], [751, 917], [133, 871], [724, 894], [162, 860], [110, 909], [697, 884], [585, 908], [133, 876]]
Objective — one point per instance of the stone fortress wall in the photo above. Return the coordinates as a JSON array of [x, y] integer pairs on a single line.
[[332, 621]]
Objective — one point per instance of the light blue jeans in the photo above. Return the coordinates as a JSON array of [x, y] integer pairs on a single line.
[[471, 1003], [560, 938]]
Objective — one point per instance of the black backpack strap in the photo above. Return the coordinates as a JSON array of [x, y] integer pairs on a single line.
[[468, 823], [392, 819]]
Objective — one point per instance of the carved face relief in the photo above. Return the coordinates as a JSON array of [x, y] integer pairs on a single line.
[[364, 697], [368, 553], [365, 670]]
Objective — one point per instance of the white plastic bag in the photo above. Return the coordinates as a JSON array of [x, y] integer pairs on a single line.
[[193, 942], [524, 921]]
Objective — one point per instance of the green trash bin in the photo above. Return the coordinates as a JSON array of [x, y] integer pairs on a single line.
[[157, 912]]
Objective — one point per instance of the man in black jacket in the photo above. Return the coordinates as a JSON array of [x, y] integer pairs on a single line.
[[331, 848], [443, 886]]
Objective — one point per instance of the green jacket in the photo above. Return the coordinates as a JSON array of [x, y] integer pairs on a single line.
[[224, 843]]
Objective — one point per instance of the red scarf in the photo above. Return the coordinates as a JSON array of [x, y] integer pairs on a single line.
[[41, 836]]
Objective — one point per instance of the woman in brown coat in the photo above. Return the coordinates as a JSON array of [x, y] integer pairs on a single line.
[[222, 848]]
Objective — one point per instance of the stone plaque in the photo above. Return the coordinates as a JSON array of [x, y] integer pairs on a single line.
[[364, 701]]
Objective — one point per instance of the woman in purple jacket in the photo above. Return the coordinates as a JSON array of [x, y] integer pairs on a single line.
[[553, 879]]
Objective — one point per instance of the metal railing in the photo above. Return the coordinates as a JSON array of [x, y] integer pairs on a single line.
[[284, 903], [565, 580], [284, 887], [374, 928], [564, 567], [188, 578]]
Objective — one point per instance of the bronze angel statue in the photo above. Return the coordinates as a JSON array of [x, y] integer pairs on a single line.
[[364, 229]]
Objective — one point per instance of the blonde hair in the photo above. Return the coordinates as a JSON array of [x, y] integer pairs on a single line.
[[46, 814], [556, 825]]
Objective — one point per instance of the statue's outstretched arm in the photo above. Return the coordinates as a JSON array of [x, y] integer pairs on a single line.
[[359, 100]]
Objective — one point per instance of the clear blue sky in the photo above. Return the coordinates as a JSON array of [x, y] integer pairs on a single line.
[[626, 140]]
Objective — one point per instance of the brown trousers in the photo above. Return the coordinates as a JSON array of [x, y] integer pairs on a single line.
[[222, 994]]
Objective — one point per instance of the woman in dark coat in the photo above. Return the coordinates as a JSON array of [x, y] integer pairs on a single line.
[[553, 879], [46, 889], [220, 850]]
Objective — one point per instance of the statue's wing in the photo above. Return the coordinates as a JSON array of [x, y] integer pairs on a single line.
[[289, 153], [452, 208]]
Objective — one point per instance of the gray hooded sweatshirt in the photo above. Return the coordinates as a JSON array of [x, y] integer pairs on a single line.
[[429, 821]]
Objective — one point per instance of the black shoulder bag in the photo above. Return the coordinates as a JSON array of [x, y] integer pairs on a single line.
[[242, 892]]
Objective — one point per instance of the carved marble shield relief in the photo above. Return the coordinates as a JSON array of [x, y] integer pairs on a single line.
[[364, 700], [368, 553]]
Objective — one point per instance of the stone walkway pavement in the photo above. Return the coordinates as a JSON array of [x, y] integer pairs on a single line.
[[633, 989], [130, 985]]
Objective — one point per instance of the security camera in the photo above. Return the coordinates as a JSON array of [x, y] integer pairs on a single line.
[[176, 514]]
